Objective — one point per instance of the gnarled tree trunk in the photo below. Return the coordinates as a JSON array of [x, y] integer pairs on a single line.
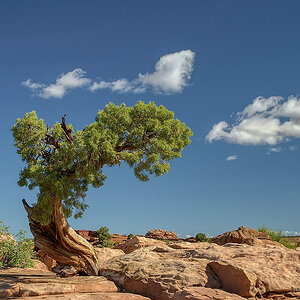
[[62, 243]]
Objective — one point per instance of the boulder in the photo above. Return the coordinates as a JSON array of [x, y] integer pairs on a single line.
[[160, 234], [137, 242], [242, 235], [104, 254], [65, 271], [46, 259], [163, 271], [202, 293]]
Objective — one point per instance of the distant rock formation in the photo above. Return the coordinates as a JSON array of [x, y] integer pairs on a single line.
[[160, 234], [242, 235]]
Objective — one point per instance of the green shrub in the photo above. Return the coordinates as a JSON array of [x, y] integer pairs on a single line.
[[130, 236], [17, 252], [103, 234], [107, 244], [276, 235], [104, 237], [201, 237]]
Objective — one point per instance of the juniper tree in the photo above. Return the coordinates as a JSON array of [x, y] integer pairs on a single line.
[[62, 163]]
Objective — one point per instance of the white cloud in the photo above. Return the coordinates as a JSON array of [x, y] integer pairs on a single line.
[[188, 236], [275, 149], [290, 233], [293, 148], [171, 75], [266, 121], [64, 82], [231, 157]]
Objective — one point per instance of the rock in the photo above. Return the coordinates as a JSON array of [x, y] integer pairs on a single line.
[[64, 271], [243, 235], [118, 238], [162, 271], [160, 234], [7, 237], [46, 259], [90, 235], [25, 282], [104, 254], [137, 242], [38, 265], [202, 293], [91, 296]]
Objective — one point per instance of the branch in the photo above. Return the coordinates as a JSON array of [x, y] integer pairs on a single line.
[[27, 207], [67, 131]]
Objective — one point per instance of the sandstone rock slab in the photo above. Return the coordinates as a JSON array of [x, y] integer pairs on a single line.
[[90, 296], [202, 293], [160, 271], [24, 283]]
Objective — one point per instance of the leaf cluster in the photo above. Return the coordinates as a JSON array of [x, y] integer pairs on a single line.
[[201, 237], [62, 163], [15, 252]]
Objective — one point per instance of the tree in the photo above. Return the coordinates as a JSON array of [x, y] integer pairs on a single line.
[[61, 163]]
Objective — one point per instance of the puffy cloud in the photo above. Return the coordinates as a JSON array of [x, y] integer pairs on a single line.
[[64, 82], [231, 157], [121, 85], [171, 74], [266, 121]]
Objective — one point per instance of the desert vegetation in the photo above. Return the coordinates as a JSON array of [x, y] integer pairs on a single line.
[[15, 251], [277, 236]]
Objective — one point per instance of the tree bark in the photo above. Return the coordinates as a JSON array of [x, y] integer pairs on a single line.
[[62, 243]]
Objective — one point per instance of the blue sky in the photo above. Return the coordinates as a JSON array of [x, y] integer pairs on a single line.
[[205, 60]]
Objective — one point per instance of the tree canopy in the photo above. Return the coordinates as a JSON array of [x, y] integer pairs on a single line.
[[62, 163]]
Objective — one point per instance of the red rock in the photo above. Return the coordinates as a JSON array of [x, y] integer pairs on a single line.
[[160, 234], [203, 293], [137, 242], [117, 238], [91, 296], [46, 259], [243, 235]]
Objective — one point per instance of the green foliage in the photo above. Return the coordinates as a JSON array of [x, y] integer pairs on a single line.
[[62, 163], [201, 237], [107, 244], [276, 235], [17, 252], [103, 234], [104, 237], [130, 236]]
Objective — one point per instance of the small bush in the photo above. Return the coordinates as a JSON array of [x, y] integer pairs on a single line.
[[103, 234], [276, 235], [104, 237], [107, 244], [201, 237], [130, 236], [17, 252]]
